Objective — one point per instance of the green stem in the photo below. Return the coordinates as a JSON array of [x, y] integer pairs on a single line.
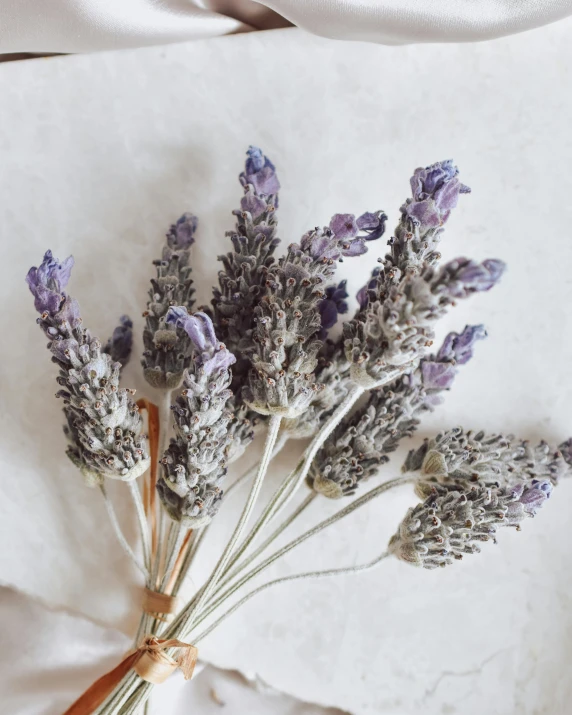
[[297, 577], [357, 504], [142, 519], [181, 623], [120, 536]]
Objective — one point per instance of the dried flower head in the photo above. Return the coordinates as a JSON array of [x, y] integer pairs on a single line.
[[167, 351], [452, 523], [360, 444], [103, 423], [195, 463], [458, 457], [242, 281], [394, 330], [288, 320]]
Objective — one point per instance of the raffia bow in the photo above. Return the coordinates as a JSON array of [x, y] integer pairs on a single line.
[[150, 661]]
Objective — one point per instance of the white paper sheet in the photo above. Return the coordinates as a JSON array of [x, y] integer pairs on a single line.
[[100, 154]]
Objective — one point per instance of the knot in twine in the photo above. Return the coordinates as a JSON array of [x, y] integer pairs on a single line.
[[161, 605], [155, 665], [150, 661]]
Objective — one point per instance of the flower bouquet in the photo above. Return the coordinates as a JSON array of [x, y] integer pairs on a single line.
[[262, 359]]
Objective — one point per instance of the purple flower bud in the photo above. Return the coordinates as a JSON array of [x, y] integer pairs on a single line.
[[344, 226], [331, 306], [534, 496], [436, 191], [463, 276], [362, 295], [120, 343], [373, 224], [182, 234], [47, 282], [260, 172], [212, 355], [459, 347]]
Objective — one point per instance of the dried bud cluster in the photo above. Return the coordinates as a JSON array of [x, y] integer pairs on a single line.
[[456, 458], [402, 300], [167, 350], [195, 463], [360, 444], [242, 282], [287, 319], [104, 425], [394, 330], [450, 524], [436, 191], [472, 484]]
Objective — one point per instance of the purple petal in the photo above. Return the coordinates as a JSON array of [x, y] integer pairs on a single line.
[[344, 226], [373, 224], [459, 347], [356, 247], [260, 172], [182, 233], [253, 204], [437, 375]]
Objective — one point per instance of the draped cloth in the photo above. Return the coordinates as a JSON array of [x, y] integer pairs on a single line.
[[92, 25]]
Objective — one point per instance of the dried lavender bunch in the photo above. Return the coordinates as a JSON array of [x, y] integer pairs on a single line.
[[456, 458], [120, 344], [360, 444], [103, 423], [242, 282], [167, 350], [452, 523], [287, 319], [195, 463]]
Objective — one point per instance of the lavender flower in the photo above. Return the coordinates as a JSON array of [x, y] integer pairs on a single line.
[[439, 372], [103, 423], [436, 190], [120, 344], [456, 458], [260, 173], [284, 358], [242, 281], [167, 350], [195, 463], [360, 444], [394, 329], [450, 524]]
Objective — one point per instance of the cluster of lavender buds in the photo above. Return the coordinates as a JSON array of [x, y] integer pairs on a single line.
[[471, 485], [360, 444], [404, 298], [195, 463], [103, 423], [242, 282], [288, 320], [167, 349]]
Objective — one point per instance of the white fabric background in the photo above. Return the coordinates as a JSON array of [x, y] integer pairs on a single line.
[[88, 25], [100, 153]]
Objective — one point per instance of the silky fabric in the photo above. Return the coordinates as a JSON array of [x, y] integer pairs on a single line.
[[91, 25]]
